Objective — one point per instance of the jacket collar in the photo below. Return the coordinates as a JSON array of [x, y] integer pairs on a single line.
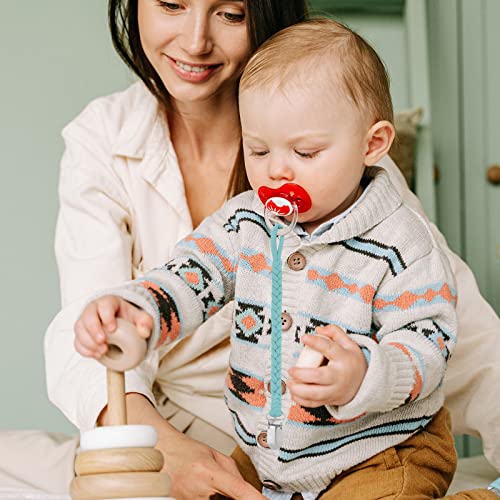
[[144, 136], [141, 124], [382, 200]]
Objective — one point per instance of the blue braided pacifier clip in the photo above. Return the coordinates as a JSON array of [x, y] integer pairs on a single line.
[[275, 416]]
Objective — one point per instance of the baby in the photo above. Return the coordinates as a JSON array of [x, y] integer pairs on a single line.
[[320, 256]]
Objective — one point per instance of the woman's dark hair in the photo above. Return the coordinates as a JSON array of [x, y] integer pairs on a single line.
[[264, 18]]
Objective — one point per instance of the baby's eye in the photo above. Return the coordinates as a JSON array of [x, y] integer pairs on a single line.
[[258, 153], [306, 154]]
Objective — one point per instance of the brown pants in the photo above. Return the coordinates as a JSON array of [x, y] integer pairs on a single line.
[[421, 467]]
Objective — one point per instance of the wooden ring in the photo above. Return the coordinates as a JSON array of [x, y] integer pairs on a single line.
[[123, 484], [126, 349], [118, 460], [310, 358]]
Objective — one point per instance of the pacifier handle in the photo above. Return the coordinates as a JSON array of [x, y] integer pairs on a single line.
[[280, 207], [126, 349]]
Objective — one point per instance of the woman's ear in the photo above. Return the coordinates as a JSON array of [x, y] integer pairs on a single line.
[[379, 138]]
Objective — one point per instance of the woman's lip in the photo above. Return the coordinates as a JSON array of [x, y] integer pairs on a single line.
[[191, 76]]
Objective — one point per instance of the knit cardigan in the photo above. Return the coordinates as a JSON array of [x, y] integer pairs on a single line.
[[377, 273]]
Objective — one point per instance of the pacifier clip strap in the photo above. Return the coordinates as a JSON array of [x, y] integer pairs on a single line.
[[275, 417]]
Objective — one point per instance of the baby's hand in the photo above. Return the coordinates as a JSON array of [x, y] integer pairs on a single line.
[[336, 381], [100, 316]]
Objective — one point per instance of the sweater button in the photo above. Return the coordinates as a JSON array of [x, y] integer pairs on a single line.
[[296, 261], [262, 439], [286, 321], [283, 387], [271, 485]]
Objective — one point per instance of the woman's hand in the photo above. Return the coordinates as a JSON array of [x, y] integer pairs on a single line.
[[198, 471], [338, 380], [100, 316]]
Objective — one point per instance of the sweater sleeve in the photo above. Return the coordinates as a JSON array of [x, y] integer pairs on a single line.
[[194, 285], [415, 322]]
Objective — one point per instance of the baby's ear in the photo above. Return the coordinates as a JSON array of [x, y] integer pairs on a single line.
[[379, 140]]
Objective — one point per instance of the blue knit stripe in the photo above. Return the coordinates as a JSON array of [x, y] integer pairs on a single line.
[[233, 223], [346, 327], [243, 434], [377, 250], [399, 301], [408, 428]]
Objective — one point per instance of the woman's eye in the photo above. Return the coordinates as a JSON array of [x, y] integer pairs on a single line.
[[306, 154], [258, 153], [170, 6], [232, 17]]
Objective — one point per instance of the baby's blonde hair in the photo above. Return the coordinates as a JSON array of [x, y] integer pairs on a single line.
[[326, 53]]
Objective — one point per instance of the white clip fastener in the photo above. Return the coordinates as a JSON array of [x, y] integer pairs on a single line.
[[274, 432]]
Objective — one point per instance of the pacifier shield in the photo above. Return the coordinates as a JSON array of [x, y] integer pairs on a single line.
[[293, 193]]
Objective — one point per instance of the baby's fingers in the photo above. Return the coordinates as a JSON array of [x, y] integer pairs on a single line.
[[140, 318], [108, 308], [86, 344], [90, 321], [311, 395]]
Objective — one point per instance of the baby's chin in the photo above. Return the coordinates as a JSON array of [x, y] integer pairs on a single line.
[[301, 219]]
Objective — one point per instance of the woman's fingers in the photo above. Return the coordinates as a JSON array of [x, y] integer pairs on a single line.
[[234, 486], [214, 474], [227, 463]]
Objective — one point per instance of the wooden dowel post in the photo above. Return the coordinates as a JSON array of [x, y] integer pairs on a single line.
[[117, 410]]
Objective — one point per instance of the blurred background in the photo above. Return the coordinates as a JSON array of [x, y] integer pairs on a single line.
[[56, 56]]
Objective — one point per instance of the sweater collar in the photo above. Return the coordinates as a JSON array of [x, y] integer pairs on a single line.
[[381, 201]]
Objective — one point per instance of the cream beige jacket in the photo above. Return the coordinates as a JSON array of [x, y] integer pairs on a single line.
[[123, 208]]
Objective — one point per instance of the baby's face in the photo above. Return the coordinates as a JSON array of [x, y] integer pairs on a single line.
[[301, 137]]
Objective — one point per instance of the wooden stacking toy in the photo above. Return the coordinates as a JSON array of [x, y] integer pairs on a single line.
[[119, 461]]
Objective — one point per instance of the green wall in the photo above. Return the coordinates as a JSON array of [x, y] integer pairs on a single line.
[[56, 56]]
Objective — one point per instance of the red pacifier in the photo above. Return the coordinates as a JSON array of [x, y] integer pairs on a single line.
[[286, 200]]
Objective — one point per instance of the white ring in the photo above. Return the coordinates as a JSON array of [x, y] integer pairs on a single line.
[[287, 228], [119, 436]]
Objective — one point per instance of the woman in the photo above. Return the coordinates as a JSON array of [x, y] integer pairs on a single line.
[[141, 168]]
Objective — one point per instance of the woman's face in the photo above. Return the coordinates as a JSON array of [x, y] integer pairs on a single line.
[[198, 47]]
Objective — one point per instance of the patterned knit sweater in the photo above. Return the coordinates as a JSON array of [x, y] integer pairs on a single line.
[[377, 273]]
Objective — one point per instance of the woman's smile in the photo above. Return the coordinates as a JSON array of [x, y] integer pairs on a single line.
[[192, 72]]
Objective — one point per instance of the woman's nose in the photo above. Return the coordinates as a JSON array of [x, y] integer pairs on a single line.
[[196, 36]]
